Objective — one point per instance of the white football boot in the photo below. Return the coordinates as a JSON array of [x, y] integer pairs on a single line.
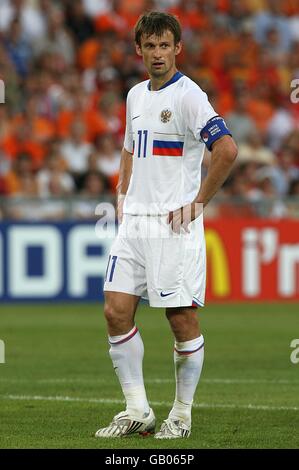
[[173, 429], [124, 424]]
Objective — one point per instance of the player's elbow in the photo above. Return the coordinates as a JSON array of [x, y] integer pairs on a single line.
[[233, 150], [230, 150], [227, 148]]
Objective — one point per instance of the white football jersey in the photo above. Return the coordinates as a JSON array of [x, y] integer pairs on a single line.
[[163, 134]]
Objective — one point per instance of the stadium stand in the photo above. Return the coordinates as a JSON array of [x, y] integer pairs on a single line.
[[67, 67]]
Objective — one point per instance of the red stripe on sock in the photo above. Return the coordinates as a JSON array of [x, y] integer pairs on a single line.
[[189, 352], [127, 338]]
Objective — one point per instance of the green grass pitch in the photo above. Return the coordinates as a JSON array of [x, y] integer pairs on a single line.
[[58, 387]]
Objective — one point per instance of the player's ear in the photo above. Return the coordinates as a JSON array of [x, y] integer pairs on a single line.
[[138, 49], [178, 47]]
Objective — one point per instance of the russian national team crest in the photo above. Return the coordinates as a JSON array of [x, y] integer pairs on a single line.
[[165, 115]]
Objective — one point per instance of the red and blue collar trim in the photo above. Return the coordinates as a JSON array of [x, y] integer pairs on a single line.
[[173, 79]]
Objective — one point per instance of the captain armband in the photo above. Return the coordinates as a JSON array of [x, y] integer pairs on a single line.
[[213, 130]]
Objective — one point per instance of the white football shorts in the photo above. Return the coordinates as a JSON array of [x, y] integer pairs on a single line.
[[149, 260]]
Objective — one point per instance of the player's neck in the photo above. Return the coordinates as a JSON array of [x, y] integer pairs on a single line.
[[158, 82]]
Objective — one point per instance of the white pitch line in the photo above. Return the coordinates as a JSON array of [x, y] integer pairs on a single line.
[[153, 403], [231, 381], [154, 381]]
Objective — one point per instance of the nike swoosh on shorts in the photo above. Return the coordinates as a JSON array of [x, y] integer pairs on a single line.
[[166, 295]]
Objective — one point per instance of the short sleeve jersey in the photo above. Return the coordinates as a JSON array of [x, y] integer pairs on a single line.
[[163, 133]]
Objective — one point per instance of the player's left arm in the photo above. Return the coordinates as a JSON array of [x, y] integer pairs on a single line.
[[223, 154]]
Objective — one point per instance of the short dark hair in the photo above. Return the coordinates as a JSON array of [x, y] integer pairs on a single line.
[[157, 23]]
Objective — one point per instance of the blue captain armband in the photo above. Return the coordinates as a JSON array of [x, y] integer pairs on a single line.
[[213, 130]]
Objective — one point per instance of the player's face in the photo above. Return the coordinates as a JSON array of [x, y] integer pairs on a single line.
[[158, 53]]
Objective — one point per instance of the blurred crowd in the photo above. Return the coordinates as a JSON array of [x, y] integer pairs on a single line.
[[68, 65]]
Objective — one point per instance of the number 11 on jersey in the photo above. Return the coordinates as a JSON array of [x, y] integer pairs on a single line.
[[142, 139]]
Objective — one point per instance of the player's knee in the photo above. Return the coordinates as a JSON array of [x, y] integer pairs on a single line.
[[177, 323], [115, 315], [183, 322], [111, 313]]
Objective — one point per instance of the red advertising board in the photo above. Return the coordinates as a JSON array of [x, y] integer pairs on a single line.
[[252, 259]]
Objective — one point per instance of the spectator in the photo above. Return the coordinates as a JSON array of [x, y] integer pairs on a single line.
[[273, 17], [108, 159], [32, 209], [93, 167], [110, 107], [53, 174], [75, 151], [240, 123], [294, 188], [238, 17], [32, 17], [285, 172], [94, 77], [78, 22], [57, 39], [18, 49], [20, 179], [254, 150], [274, 48], [93, 8], [94, 186], [279, 127], [79, 106]]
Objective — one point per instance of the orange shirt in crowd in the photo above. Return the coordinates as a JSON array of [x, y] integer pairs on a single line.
[[192, 19], [12, 183], [214, 53], [88, 52], [41, 129], [95, 123], [13, 147], [261, 112]]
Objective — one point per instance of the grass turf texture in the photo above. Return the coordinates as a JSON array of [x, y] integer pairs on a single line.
[[58, 387]]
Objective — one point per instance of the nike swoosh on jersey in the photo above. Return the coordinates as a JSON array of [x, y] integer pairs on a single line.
[[135, 117], [166, 295]]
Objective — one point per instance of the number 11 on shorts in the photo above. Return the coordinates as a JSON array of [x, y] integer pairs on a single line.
[[110, 269]]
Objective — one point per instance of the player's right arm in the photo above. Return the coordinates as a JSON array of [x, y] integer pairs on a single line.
[[125, 171], [126, 162]]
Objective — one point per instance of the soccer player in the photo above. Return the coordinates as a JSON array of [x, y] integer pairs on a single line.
[[159, 253]]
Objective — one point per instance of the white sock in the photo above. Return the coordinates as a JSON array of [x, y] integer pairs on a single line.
[[126, 352], [188, 360]]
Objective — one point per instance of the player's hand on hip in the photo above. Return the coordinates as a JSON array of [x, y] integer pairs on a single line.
[[182, 217]]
